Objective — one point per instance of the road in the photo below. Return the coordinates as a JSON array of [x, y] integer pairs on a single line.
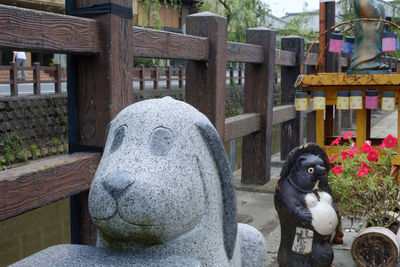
[[48, 88], [27, 88]]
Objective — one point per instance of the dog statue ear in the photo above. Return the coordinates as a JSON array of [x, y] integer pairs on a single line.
[[106, 135], [218, 153]]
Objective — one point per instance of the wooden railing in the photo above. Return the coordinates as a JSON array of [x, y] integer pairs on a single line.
[[158, 74], [36, 69], [100, 85]]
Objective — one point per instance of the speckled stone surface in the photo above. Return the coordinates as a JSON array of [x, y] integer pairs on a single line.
[[252, 246], [79, 255], [163, 188]]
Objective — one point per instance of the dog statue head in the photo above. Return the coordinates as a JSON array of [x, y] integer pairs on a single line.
[[164, 176]]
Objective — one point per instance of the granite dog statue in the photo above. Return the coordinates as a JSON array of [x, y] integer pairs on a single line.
[[307, 213], [164, 187]]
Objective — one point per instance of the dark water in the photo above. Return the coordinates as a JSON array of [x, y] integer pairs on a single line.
[[276, 143]]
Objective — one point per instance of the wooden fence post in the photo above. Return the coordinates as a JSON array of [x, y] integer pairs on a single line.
[[311, 117], [142, 77], [36, 78], [57, 76], [259, 98], [169, 77], [290, 131], [13, 79], [398, 66], [231, 75], [180, 77], [155, 77], [205, 80], [240, 76], [100, 87]]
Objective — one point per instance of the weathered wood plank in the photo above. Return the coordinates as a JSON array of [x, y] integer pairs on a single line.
[[259, 92], [248, 53], [311, 59], [205, 81], [40, 31], [344, 62], [241, 125], [285, 58], [283, 114], [162, 44], [290, 130], [40, 183]]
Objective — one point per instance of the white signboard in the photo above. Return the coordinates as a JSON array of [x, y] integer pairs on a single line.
[[321, 1]]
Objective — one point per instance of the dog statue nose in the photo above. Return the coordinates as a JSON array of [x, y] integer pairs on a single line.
[[115, 182]]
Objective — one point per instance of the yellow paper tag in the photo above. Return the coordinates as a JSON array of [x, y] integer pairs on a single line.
[[388, 103], [319, 103], [342, 102], [301, 104], [355, 102]]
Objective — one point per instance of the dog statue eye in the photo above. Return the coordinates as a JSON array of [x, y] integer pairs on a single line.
[[310, 170], [119, 135], [161, 140]]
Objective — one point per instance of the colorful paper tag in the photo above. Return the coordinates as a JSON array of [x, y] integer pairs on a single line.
[[342, 102], [388, 103], [356, 102], [319, 103], [301, 104]]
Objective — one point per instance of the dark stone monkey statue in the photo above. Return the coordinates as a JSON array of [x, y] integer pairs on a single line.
[[368, 38], [307, 213]]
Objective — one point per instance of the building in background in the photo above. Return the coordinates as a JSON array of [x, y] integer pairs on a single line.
[[172, 16]]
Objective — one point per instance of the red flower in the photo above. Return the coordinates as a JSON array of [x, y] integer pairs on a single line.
[[362, 172], [348, 135], [333, 158], [351, 152], [336, 141], [381, 146], [344, 154], [366, 148], [364, 166], [389, 142], [373, 155], [337, 170]]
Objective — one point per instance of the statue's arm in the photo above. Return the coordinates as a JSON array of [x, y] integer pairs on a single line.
[[295, 208]]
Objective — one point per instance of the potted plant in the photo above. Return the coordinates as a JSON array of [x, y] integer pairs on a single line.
[[364, 186]]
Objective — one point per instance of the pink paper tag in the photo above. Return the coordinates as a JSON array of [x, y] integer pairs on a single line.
[[371, 102], [388, 44], [335, 46]]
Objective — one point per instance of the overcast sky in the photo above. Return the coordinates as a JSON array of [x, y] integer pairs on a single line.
[[281, 7]]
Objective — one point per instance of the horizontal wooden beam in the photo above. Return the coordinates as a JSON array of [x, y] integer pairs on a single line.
[[311, 59], [162, 44], [287, 112], [283, 113], [241, 125], [248, 53], [42, 182], [40, 31], [285, 58]]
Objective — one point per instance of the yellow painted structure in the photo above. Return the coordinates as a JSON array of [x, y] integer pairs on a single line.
[[331, 83]]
